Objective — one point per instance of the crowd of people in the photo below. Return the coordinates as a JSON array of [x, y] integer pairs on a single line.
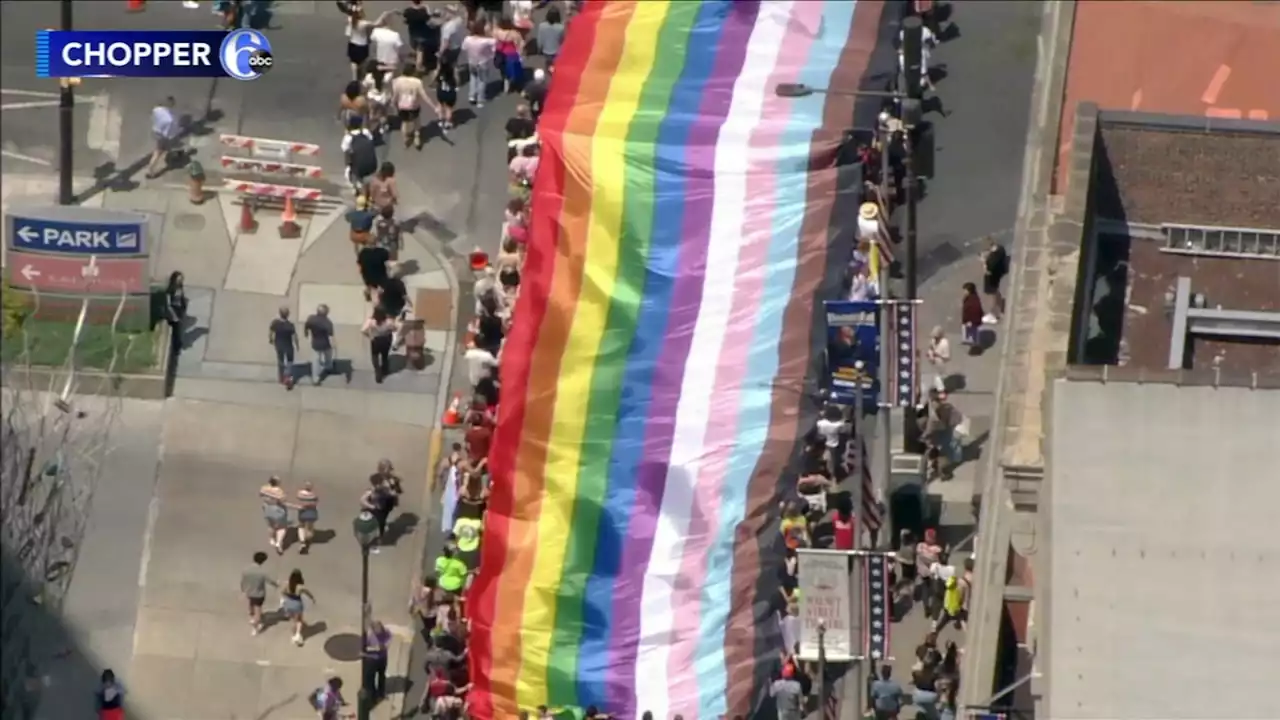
[[820, 515], [393, 82], [495, 41]]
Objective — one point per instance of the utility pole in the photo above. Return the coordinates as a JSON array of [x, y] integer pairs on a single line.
[[822, 666], [853, 695], [913, 71], [66, 117]]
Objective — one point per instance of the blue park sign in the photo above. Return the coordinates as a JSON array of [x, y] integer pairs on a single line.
[[77, 231]]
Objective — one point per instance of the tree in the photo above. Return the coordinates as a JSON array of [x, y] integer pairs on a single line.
[[16, 309], [52, 445]]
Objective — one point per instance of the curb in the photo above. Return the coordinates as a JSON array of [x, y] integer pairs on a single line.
[[435, 443], [1053, 45]]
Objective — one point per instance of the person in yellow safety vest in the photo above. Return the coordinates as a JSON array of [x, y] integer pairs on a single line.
[[953, 601], [467, 530], [451, 571]]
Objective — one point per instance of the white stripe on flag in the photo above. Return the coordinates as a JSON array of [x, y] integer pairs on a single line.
[[679, 686]]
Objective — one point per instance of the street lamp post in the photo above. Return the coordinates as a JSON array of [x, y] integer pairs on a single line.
[[822, 666], [365, 528], [66, 133]]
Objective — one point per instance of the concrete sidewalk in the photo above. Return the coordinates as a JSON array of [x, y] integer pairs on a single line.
[[230, 425]]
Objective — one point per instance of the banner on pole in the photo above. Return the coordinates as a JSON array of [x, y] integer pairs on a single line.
[[877, 624], [825, 600], [853, 351], [905, 358]]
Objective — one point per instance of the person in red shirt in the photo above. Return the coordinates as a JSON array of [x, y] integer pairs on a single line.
[[844, 530], [478, 439]]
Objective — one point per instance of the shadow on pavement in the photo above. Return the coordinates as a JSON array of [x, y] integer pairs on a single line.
[[43, 664], [110, 176]]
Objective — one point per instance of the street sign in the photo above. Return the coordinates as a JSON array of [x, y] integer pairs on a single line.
[[77, 231], [88, 275]]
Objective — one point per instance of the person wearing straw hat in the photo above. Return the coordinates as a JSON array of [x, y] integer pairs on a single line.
[[868, 221]]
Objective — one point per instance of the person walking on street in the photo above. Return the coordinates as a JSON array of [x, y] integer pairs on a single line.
[[508, 49], [319, 328], [380, 328], [971, 314], [995, 266], [410, 95], [308, 504], [275, 512], [886, 695], [386, 231], [372, 260], [550, 36], [253, 583], [283, 336], [110, 697], [386, 473], [424, 35], [452, 33], [939, 356], [788, 694], [327, 699], [376, 641], [291, 604], [164, 131], [478, 49], [360, 152], [446, 81], [381, 500]]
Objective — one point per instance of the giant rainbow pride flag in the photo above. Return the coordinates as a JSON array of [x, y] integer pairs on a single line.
[[652, 382]]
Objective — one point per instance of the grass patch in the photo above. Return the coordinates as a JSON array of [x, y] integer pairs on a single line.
[[48, 343]]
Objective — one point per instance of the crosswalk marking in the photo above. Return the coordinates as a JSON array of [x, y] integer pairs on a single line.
[[105, 122], [29, 93], [26, 158]]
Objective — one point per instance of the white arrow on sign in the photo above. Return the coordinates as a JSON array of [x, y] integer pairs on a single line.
[[29, 272], [27, 234]]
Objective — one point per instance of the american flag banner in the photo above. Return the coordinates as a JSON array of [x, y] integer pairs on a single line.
[[877, 623], [905, 359], [870, 514]]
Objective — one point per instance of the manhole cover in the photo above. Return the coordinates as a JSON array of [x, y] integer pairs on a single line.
[[189, 221], [343, 647]]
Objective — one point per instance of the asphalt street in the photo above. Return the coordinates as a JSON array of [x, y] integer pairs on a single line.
[[297, 102], [989, 62]]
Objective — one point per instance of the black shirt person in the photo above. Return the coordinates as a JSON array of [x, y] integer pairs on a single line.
[[394, 297], [372, 261], [424, 35]]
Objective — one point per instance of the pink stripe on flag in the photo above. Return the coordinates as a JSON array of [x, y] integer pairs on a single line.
[[731, 368]]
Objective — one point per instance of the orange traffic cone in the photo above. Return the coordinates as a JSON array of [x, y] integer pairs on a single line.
[[453, 414], [136, 5], [247, 224], [289, 227], [479, 259]]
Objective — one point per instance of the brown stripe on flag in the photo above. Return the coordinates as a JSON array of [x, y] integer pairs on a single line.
[[795, 352]]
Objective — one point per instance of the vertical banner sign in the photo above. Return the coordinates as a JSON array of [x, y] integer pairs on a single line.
[[905, 359], [824, 598], [876, 633], [853, 351]]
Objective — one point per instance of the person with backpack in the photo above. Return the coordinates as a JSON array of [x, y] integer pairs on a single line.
[[327, 699], [380, 500], [360, 153]]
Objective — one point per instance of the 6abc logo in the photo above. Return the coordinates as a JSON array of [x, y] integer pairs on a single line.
[[245, 54]]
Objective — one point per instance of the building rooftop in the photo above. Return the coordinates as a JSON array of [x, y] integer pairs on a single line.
[[1163, 567], [1155, 171]]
